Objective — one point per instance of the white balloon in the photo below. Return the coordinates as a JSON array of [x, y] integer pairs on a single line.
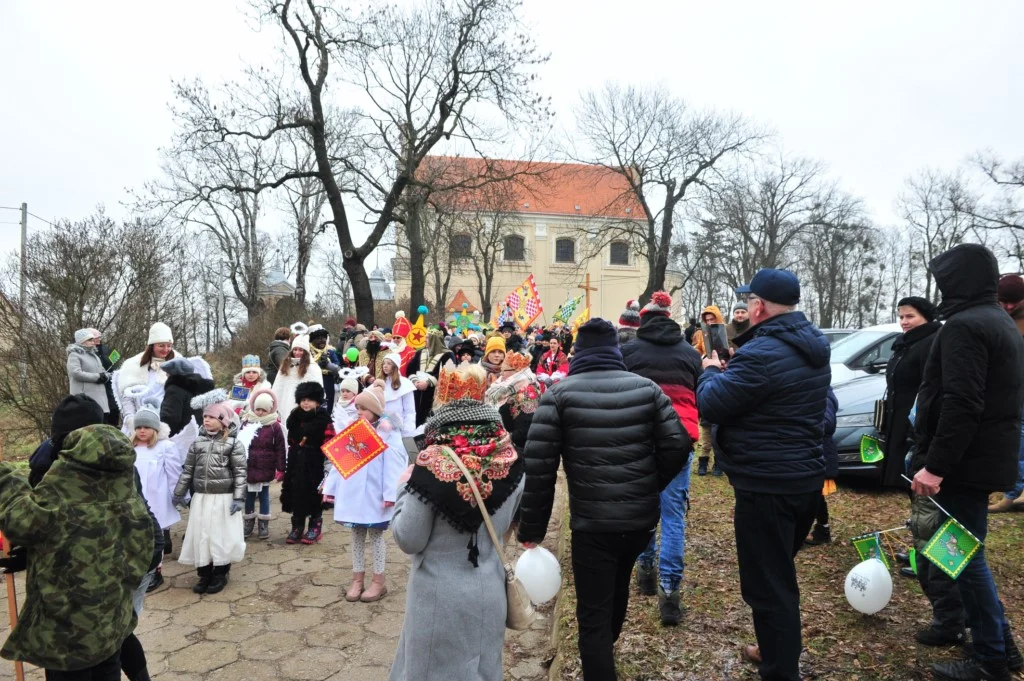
[[540, 573], [869, 586]]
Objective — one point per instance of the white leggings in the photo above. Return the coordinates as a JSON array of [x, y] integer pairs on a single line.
[[359, 548]]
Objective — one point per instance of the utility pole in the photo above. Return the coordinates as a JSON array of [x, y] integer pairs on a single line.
[[23, 362]]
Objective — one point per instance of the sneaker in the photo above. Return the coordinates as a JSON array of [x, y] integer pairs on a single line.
[[294, 536], [702, 466], [821, 534], [668, 606], [969, 670], [940, 638], [156, 582], [314, 533], [646, 580]]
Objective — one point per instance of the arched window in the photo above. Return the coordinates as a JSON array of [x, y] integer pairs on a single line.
[[515, 247], [462, 246], [565, 250], [619, 253]]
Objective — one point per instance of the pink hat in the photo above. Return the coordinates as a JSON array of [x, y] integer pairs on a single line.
[[221, 411]]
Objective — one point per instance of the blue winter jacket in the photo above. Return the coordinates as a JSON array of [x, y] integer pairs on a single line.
[[769, 406]]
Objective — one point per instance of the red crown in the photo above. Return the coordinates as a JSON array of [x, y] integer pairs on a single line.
[[453, 384]]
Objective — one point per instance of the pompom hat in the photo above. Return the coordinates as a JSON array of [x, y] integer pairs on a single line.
[[630, 317], [661, 303]]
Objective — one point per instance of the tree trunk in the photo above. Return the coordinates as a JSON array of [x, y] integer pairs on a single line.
[[361, 292], [414, 236], [303, 256]]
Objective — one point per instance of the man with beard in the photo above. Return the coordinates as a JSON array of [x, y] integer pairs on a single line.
[[372, 357], [739, 324]]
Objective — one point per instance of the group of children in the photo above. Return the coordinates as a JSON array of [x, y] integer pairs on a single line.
[[245, 443]]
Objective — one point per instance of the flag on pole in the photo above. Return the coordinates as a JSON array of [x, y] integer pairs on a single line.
[[566, 310], [582, 319], [524, 303], [951, 548], [870, 449], [870, 546]]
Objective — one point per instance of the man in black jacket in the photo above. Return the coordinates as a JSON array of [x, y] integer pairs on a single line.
[[968, 435], [621, 443]]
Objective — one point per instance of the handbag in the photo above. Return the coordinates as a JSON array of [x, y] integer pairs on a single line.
[[881, 421], [520, 613]]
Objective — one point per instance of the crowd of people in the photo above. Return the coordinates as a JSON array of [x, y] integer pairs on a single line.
[[622, 408]]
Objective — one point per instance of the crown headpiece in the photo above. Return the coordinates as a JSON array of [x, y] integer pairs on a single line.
[[458, 383], [516, 361]]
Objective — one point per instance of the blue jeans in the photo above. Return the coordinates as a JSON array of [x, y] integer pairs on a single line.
[[250, 501], [985, 614], [1018, 489], [674, 500]]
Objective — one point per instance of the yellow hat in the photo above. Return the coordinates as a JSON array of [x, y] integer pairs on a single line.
[[494, 343]]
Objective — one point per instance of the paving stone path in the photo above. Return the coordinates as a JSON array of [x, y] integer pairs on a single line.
[[283, 616]]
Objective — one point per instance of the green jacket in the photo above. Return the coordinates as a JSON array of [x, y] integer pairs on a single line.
[[91, 540]]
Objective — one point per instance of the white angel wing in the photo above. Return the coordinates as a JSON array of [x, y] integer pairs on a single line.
[[201, 366], [182, 441]]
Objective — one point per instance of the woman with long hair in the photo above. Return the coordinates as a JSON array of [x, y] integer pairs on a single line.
[[297, 368], [141, 376], [398, 395]]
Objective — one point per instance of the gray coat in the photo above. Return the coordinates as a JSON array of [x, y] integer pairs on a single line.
[[86, 375], [214, 465], [454, 613]]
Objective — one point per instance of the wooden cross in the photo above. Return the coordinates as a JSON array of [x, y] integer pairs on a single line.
[[588, 288]]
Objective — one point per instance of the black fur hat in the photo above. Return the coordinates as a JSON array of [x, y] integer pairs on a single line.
[[309, 390]]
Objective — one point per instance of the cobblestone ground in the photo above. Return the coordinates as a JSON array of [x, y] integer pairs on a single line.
[[283, 616]]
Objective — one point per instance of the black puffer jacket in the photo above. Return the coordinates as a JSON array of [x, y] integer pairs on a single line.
[[620, 442], [176, 409], [968, 408], [829, 452]]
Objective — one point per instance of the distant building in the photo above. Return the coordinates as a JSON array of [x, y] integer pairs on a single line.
[[379, 287], [274, 287], [561, 219]]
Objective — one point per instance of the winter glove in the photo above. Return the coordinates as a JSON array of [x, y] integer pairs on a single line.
[[322, 363], [16, 562], [178, 502], [104, 378], [236, 506]]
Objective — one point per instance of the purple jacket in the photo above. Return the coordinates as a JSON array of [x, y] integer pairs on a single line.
[[266, 453]]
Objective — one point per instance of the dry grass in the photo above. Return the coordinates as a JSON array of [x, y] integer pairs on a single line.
[[840, 643]]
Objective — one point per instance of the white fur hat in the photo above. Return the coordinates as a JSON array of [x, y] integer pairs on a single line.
[[395, 358], [301, 341], [160, 333]]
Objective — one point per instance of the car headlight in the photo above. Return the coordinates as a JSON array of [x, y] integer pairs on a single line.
[[855, 421]]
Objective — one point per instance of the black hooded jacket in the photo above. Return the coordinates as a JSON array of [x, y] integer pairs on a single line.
[[176, 409], [969, 404]]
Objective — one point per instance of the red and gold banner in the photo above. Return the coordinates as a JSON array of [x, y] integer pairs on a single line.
[[353, 448]]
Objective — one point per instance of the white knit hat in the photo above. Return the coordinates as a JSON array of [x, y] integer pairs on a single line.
[[301, 341], [83, 335], [160, 333], [350, 384], [395, 358]]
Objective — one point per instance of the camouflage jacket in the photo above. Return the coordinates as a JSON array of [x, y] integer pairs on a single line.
[[91, 540]]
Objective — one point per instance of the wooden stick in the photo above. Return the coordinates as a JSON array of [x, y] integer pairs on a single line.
[[12, 595]]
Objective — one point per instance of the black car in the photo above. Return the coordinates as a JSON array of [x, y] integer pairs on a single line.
[[855, 418]]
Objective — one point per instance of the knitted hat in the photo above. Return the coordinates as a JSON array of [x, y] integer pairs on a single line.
[[630, 317], [596, 333], [350, 323], [301, 341], [83, 335], [263, 399], [148, 415], [739, 306], [395, 358], [309, 390], [250, 363], [350, 384], [221, 411], [372, 399], [661, 303], [922, 305], [494, 343], [160, 333], [179, 366], [74, 412], [1010, 290]]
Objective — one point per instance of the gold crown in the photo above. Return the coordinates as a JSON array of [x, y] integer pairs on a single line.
[[515, 361], [466, 382]]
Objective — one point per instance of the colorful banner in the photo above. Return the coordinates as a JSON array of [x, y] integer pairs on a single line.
[[951, 548], [870, 449], [582, 319], [524, 302], [566, 310], [870, 546], [353, 448]]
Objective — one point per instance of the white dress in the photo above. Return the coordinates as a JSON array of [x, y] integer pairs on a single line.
[[400, 405], [213, 535], [360, 500], [284, 390], [159, 467]]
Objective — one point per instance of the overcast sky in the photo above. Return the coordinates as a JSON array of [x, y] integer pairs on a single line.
[[876, 89]]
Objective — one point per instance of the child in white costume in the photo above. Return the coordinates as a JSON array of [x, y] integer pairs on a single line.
[[365, 501], [399, 403]]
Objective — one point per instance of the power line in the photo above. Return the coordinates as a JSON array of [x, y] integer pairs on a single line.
[[43, 219]]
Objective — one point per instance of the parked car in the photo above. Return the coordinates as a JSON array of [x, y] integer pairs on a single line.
[[854, 419], [863, 352], [834, 335]]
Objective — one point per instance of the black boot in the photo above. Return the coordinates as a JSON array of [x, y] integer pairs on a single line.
[[1014, 661], [205, 575], [219, 580], [295, 536], [168, 544], [315, 531], [646, 580], [702, 465], [668, 607], [821, 534], [156, 582], [970, 670], [940, 638], [716, 470]]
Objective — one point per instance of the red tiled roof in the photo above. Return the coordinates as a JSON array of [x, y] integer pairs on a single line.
[[531, 187]]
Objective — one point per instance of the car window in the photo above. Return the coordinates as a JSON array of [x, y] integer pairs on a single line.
[[881, 351], [846, 349]]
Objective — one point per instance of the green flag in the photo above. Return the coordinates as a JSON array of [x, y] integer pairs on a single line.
[[951, 548], [565, 311], [114, 356], [870, 546], [870, 449], [912, 553]]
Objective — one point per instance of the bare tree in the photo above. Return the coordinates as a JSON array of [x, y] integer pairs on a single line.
[[938, 208], [305, 201], [662, 148], [1006, 209]]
